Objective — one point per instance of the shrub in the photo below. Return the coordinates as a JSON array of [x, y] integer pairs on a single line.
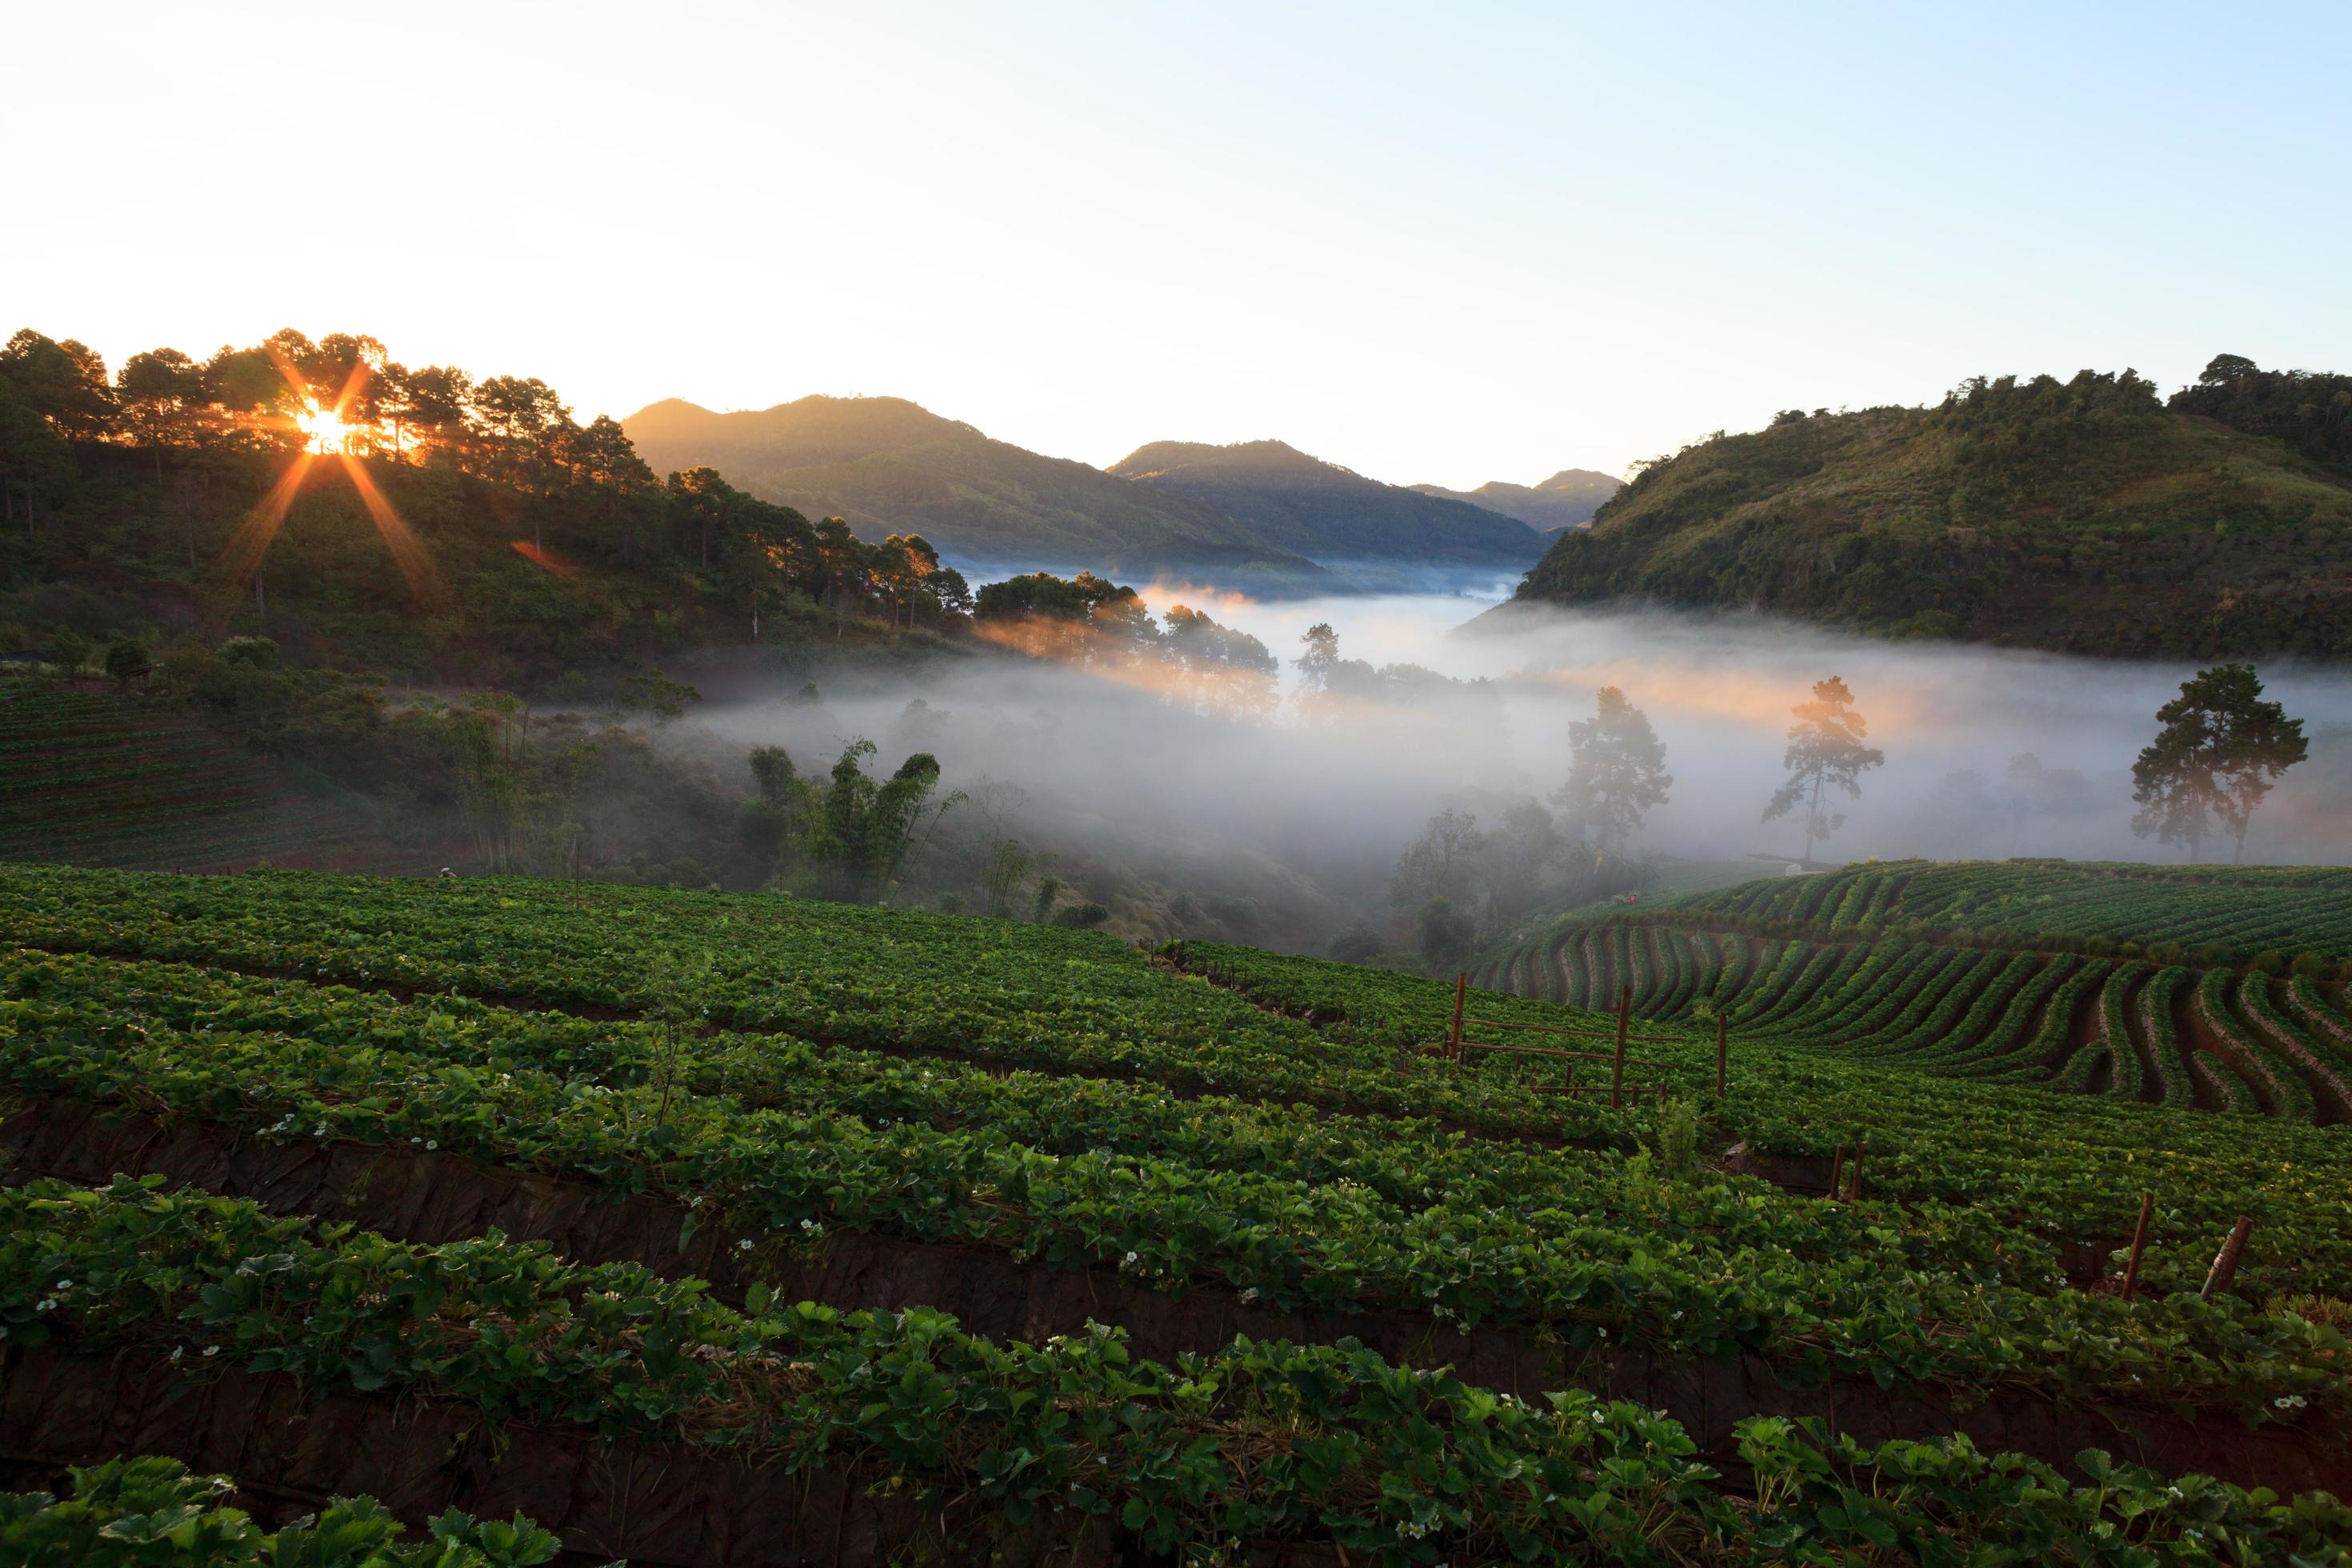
[[1446, 933], [258, 653], [1360, 943], [1082, 917], [128, 661]]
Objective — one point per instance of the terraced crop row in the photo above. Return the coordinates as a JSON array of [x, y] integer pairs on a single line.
[[759, 1417], [2218, 1038], [719, 1106], [115, 780], [2245, 910]]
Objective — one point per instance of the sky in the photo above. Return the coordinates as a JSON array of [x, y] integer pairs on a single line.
[[1434, 244]]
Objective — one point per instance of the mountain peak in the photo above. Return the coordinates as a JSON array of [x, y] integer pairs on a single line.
[[1197, 460], [1567, 500]]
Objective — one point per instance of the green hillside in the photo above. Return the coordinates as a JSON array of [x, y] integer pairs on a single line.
[[886, 465], [877, 1233], [2081, 515], [1325, 511], [2215, 988], [1567, 499]]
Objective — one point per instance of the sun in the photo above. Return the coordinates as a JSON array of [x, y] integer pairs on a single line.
[[323, 429]]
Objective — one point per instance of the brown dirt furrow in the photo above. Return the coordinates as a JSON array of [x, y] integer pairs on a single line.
[[434, 1197], [662, 1505]]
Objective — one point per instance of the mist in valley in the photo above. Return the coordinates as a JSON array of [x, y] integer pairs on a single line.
[[1278, 815]]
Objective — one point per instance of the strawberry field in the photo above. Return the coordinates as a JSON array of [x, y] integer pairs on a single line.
[[1973, 972], [118, 780], [713, 1228]]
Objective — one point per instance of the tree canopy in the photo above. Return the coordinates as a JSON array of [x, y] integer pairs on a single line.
[[2219, 750], [1616, 773], [1825, 752]]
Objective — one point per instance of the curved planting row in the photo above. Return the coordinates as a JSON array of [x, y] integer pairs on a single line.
[[2072, 1024], [2244, 912]]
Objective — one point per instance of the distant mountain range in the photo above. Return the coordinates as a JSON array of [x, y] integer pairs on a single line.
[[1567, 500], [1326, 513], [1259, 513], [2085, 515]]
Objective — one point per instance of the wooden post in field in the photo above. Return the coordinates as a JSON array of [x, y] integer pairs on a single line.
[[1855, 1176], [2139, 1243], [1837, 1172], [1617, 1066], [1461, 1001], [2225, 1262], [1722, 1049]]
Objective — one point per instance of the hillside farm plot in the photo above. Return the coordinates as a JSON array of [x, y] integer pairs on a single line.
[[898, 1231], [110, 779], [2223, 990]]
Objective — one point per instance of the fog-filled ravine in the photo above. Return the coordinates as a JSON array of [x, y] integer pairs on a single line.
[[1281, 818]]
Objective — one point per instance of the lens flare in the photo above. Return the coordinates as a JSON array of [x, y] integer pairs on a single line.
[[323, 430], [327, 431]]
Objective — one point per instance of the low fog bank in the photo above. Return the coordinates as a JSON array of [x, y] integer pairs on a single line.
[[1283, 822], [1989, 752]]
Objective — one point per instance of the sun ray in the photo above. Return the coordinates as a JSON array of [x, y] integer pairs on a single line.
[[408, 553], [325, 431], [545, 559], [243, 556]]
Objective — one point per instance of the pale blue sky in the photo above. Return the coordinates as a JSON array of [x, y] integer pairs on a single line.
[[1449, 244]]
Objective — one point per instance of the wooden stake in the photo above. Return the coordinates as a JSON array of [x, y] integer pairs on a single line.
[[1617, 1063], [2139, 1242], [2225, 1262], [1854, 1176], [1461, 1000], [1722, 1050], [1837, 1172]]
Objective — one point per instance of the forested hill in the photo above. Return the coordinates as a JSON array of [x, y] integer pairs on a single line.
[[1568, 497], [1327, 512], [2085, 515], [420, 524], [886, 464]]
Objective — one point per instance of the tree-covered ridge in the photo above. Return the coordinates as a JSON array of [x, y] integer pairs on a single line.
[[2081, 515], [2311, 412], [422, 521]]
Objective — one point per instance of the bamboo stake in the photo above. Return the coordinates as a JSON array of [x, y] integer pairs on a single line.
[[2139, 1242], [1617, 1069], [2225, 1262], [1722, 1049], [1461, 999]]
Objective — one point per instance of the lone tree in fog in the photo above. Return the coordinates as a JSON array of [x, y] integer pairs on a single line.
[[1439, 863], [2221, 750], [1825, 752], [1617, 772]]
